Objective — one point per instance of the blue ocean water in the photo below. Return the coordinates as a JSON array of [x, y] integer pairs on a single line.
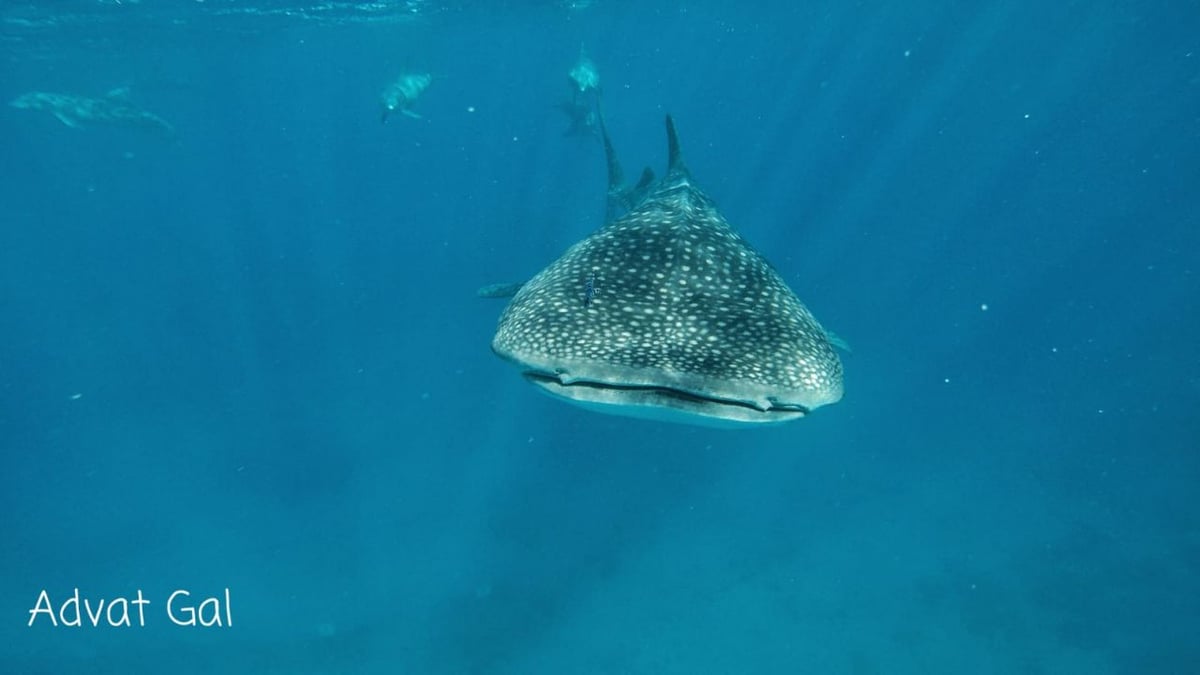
[[247, 353]]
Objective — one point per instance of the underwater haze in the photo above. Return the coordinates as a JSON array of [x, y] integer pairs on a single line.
[[242, 355]]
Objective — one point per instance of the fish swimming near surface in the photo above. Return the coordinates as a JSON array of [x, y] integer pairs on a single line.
[[114, 109], [399, 96], [583, 75], [582, 106], [666, 313]]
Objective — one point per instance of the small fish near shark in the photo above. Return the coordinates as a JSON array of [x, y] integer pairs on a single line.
[[113, 109], [666, 313]]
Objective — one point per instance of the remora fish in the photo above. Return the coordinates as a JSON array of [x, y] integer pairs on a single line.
[[621, 196]]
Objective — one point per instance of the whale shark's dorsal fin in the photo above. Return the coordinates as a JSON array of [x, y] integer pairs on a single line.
[[644, 182], [502, 290], [675, 165], [621, 197], [615, 175]]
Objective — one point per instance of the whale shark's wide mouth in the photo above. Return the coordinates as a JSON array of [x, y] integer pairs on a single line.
[[665, 403]]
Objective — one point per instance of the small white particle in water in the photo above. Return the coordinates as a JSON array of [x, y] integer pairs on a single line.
[[1054, 350], [424, 396], [470, 108], [983, 307], [907, 53], [76, 397], [1026, 115]]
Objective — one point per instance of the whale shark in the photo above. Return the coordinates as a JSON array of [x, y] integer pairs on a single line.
[[401, 94], [114, 108], [667, 313]]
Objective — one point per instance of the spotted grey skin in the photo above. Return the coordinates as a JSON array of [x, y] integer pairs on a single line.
[[667, 313]]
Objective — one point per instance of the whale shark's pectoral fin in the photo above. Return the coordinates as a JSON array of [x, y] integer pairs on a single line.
[[67, 119], [506, 290], [411, 114], [838, 341], [163, 125]]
